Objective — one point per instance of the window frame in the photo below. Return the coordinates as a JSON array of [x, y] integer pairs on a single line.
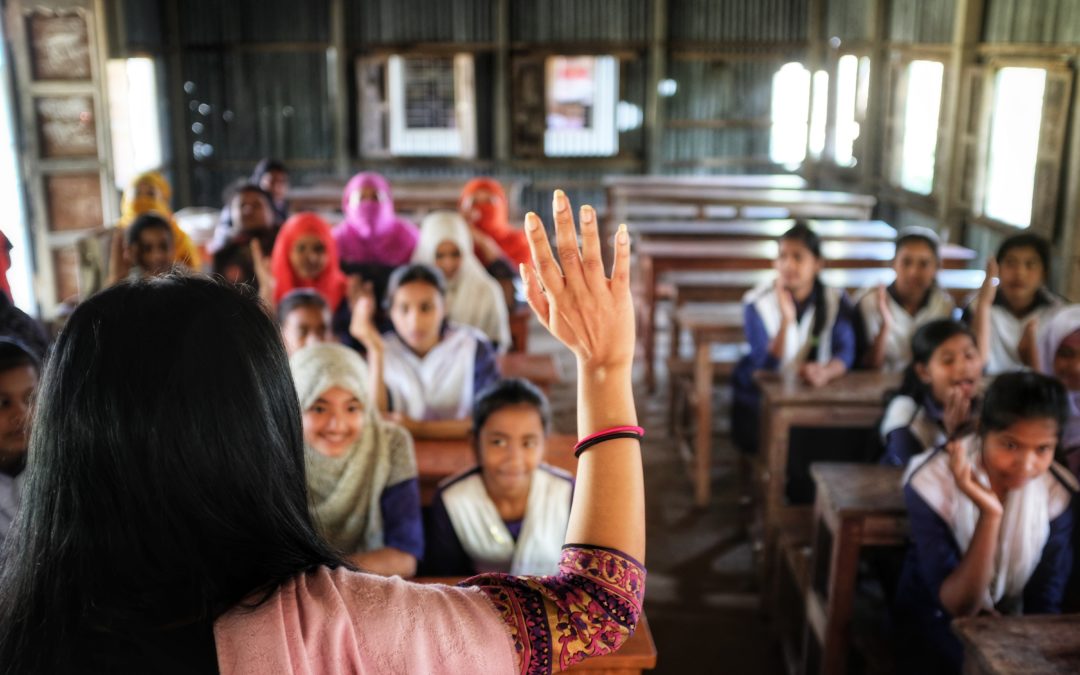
[[893, 142]]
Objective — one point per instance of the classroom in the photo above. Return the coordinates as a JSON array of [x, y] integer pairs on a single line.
[[509, 336]]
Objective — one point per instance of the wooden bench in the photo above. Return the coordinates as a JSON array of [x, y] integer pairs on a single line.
[[657, 257], [733, 202], [439, 459], [852, 401], [1006, 645], [699, 230], [855, 506], [413, 197]]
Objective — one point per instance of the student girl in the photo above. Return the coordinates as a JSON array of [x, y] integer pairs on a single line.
[[150, 192], [304, 256], [146, 248], [794, 324], [432, 368], [935, 399], [499, 246], [509, 513], [252, 220], [361, 470], [1002, 313], [371, 231], [891, 315], [272, 176], [203, 557], [19, 372], [473, 297], [990, 521], [304, 319], [1058, 345]]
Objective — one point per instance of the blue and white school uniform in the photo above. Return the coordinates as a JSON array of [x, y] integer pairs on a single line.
[[441, 384], [910, 428], [937, 305], [1007, 329], [1033, 558], [467, 536], [761, 321]]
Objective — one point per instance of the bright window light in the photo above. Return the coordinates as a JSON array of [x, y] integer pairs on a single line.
[[134, 119], [1014, 144], [922, 106], [581, 100], [12, 209], [847, 128], [819, 113], [790, 99]]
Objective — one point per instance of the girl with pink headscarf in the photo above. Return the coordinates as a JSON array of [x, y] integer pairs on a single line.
[[371, 231]]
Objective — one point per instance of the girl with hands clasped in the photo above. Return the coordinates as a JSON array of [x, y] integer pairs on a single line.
[[990, 520], [935, 399], [794, 324]]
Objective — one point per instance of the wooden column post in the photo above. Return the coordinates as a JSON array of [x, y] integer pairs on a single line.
[[337, 58], [873, 126], [654, 116], [815, 60], [501, 89]]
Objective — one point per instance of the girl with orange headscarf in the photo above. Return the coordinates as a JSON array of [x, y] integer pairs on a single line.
[[150, 192], [484, 206], [305, 256]]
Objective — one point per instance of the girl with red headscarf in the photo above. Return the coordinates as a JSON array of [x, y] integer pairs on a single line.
[[304, 256], [483, 204]]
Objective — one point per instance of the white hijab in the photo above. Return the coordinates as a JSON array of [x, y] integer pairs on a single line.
[[1025, 525], [473, 297], [1052, 331]]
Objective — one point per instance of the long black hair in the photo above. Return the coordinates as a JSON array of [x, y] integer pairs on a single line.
[[503, 394], [165, 482], [801, 233], [924, 342], [1012, 397]]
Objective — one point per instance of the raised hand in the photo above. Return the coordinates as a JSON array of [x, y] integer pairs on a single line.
[[262, 272], [984, 498], [988, 291], [362, 325], [573, 298], [957, 413], [883, 306]]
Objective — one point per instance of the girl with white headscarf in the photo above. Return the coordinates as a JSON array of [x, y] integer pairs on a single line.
[[1058, 345], [473, 297], [361, 470]]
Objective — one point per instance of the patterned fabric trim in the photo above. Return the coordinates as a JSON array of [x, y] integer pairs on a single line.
[[588, 609]]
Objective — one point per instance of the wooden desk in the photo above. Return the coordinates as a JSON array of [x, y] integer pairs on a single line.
[[722, 201], [636, 655], [698, 230], [708, 324], [1021, 644], [657, 257], [439, 459], [855, 505], [781, 181], [540, 369], [732, 285], [854, 400]]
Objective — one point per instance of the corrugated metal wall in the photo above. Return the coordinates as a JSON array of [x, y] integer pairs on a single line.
[[373, 22], [921, 21], [737, 20], [563, 21], [848, 19], [1032, 21]]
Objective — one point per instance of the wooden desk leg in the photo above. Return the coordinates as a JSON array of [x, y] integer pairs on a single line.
[[703, 377], [648, 320], [843, 575]]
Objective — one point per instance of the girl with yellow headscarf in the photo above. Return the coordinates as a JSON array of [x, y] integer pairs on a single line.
[[149, 191]]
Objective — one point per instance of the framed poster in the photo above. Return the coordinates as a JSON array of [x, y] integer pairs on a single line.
[[66, 126], [59, 45]]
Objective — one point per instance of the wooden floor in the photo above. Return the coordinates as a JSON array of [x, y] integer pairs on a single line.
[[701, 596]]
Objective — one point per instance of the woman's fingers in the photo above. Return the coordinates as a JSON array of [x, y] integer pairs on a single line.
[[566, 239], [543, 260], [591, 260], [620, 271], [534, 295]]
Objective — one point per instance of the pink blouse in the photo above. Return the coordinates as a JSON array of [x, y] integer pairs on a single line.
[[328, 622]]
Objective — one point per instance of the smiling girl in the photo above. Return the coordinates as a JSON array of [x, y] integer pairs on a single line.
[[509, 513], [361, 471], [990, 520]]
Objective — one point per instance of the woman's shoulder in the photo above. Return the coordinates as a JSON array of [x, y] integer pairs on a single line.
[[340, 621]]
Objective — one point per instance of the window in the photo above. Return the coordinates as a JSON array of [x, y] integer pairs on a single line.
[[921, 99], [1016, 119], [431, 106], [819, 114], [852, 85], [134, 117], [580, 103], [12, 208], [790, 112]]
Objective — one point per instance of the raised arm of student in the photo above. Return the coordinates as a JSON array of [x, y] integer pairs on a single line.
[[875, 355], [362, 328], [963, 590], [984, 302], [263, 275]]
